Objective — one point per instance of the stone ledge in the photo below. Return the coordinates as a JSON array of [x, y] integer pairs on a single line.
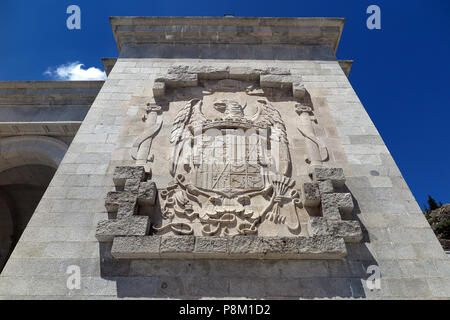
[[278, 81], [350, 231], [178, 80], [238, 247], [202, 72], [47, 128], [107, 230], [136, 247], [189, 76], [324, 32], [123, 173], [333, 204], [336, 175], [346, 66], [108, 64]]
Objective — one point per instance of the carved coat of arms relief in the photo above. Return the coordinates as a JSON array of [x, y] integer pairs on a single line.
[[231, 172], [225, 140]]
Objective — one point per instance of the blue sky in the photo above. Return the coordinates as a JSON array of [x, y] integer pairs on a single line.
[[401, 72]]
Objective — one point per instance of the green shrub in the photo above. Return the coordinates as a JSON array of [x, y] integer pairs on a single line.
[[443, 228]]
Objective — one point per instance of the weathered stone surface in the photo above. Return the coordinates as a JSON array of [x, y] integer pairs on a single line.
[[321, 247], [311, 194], [258, 247], [209, 72], [147, 193], [127, 209], [326, 186], [336, 175], [132, 185], [298, 90], [350, 231], [335, 203], [277, 246], [240, 247], [211, 245], [136, 247], [178, 69], [244, 73], [179, 79], [178, 245], [319, 226], [122, 173], [159, 89], [115, 199], [276, 70], [130, 226], [278, 81], [223, 72], [318, 247]]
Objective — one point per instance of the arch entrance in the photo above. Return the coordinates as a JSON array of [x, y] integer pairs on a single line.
[[27, 165]]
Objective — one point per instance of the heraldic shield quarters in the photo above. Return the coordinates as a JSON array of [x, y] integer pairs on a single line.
[[246, 175]]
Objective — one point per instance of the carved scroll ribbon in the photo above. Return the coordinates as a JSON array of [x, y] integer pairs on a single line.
[[143, 144], [317, 151]]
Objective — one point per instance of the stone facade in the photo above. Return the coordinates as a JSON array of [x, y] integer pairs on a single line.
[[101, 210]]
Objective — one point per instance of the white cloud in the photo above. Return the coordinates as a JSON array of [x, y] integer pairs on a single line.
[[75, 71]]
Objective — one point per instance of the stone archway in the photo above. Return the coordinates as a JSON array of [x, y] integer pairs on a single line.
[[23, 150], [27, 165]]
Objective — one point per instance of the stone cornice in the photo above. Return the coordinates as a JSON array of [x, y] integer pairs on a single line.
[[48, 128], [50, 108], [185, 76], [108, 64], [48, 93], [51, 84], [227, 30], [346, 66]]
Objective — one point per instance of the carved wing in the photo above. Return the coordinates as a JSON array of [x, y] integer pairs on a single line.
[[268, 114], [188, 114]]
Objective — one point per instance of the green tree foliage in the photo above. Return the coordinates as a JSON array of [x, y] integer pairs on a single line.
[[432, 204], [443, 229]]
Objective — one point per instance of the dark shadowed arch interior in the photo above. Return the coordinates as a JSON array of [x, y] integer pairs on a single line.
[[27, 165], [21, 189]]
